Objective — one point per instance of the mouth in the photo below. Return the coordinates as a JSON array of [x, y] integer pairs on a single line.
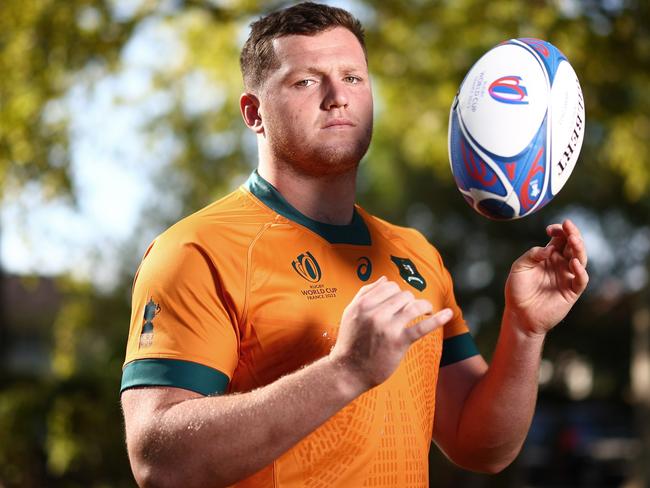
[[338, 124]]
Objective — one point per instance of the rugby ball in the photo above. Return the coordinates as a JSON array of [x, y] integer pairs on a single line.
[[516, 128]]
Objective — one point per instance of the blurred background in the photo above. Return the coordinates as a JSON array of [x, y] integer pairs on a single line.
[[118, 117]]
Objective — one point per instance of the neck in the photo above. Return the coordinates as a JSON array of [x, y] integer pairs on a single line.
[[328, 199]]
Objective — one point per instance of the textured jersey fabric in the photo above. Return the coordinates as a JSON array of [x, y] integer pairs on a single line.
[[248, 289]]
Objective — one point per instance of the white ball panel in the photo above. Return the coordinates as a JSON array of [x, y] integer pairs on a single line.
[[502, 128], [568, 125]]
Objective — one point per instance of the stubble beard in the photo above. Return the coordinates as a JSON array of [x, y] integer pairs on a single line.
[[330, 159]]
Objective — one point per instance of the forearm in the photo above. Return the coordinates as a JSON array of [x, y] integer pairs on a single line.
[[215, 441], [486, 417], [500, 407]]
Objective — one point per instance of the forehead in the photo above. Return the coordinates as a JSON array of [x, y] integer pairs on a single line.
[[333, 45]]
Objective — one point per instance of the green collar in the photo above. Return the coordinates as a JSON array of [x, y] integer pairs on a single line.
[[356, 232]]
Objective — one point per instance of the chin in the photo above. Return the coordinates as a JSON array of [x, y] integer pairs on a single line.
[[324, 168], [325, 160], [332, 162]]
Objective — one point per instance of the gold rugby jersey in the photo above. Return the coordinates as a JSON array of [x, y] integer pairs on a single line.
[[248, 289]]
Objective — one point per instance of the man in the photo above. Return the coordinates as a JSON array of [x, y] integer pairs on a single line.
[[282, 336]]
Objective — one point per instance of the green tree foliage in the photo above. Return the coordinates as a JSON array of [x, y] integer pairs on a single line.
[[65, 429], [43, 45]]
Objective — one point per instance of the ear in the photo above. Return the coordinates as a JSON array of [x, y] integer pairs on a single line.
[[249, 105]]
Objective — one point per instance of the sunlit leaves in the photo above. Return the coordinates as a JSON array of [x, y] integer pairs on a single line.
[[629, 154], [43, 44]]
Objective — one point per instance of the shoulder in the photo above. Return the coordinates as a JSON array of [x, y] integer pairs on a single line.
[[227, 224], [212, 241], [407, 237]]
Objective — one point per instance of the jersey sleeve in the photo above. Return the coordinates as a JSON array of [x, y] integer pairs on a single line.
[[458, 343], [183, 326]]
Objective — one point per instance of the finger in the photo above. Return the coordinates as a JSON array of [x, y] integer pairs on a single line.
[[560, 263], [575, 240], [578, 249], [413, 310], [581, 278], [557, 235], [379, 294], [571, 229], [572, 232], [370, 286], [554, 230], [428, 325], [395, 303], [562, 269], [536, 255]]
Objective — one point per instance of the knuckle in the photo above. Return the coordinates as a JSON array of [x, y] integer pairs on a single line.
[[350, 309], [414, 331], [417, 331], [363, 289], [353, 313], [362, 304], [418, 308], [392, 286], [408, 295]]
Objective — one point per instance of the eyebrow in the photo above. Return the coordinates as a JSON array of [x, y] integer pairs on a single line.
[[315, 70]]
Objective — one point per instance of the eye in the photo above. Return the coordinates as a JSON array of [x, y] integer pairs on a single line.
[[353, 80], [304, 83]]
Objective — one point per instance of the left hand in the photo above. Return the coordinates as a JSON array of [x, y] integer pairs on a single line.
[[545, 282]]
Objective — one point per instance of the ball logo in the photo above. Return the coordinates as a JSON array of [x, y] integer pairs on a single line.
[[508, 89], [307, 267]]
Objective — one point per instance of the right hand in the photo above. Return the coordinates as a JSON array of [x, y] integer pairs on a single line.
[[374, 333]]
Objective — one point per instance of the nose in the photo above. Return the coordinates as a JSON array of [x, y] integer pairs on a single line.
[[336, 95]]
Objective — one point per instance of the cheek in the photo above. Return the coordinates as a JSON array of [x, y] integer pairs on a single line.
[[296, 117], [363, 102], [287, 127], [368, 104], [286, 113]]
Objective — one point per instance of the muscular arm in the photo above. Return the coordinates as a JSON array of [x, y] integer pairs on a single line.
[[483, 414], [178, 438]]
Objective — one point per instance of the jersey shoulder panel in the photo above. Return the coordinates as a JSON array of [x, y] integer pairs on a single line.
[[222, 234], [189, 294], [234, 219], [222, 231]]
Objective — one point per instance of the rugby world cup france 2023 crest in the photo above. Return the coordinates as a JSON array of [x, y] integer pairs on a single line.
[[516, 128]]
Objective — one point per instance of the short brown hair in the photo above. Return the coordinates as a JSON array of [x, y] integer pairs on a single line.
[[258, 57]]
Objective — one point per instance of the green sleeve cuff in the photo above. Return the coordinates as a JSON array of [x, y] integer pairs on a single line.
[[458, 348], [174, 372]]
